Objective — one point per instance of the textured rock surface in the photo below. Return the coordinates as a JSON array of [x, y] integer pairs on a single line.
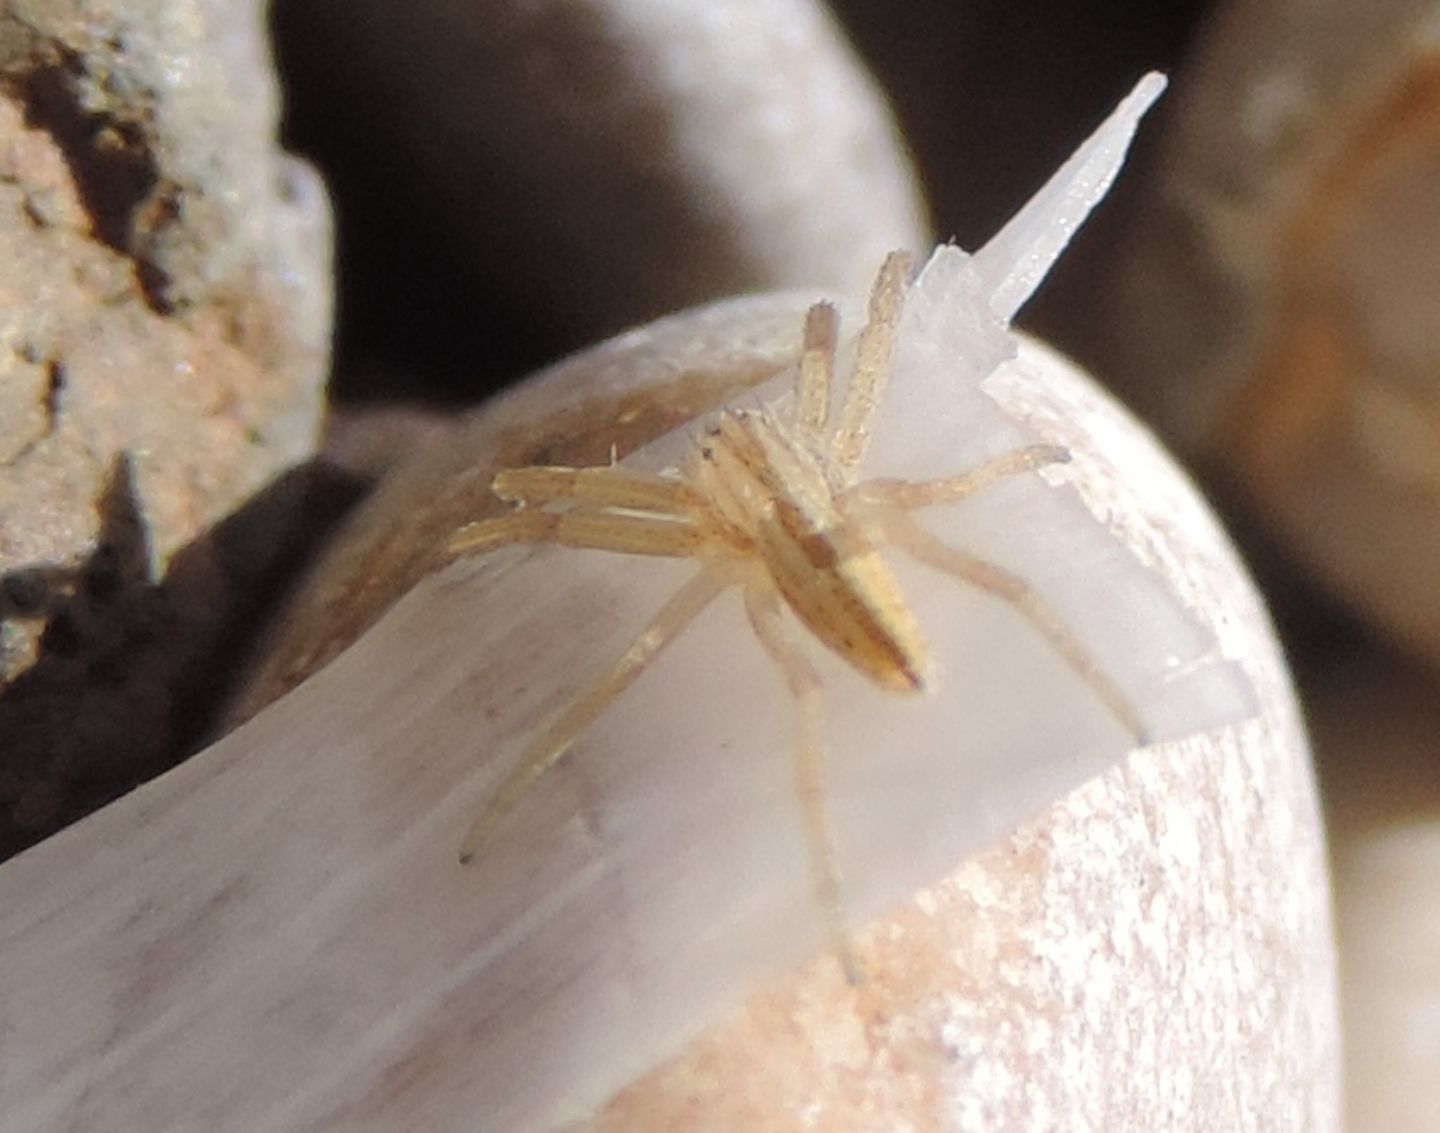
[[162, 355]]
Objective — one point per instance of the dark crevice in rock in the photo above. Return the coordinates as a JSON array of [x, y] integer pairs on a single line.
[[54, 391], [160, 210], [110, 155], [50, 407]]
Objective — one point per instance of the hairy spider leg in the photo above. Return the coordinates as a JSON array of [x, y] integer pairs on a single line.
[[583, 529], [762, 604], [543, 753], [817, 371], [881, 505], [608, 486], [655, 516], [900, 530], [613, 509], [872, 365], [907, 495]]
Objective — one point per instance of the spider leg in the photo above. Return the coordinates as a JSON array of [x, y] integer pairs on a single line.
[[872, 362], [579, 527], [762, 604], [908, 495], [599, 487], [900, 530], [817, 370], [555, 741]]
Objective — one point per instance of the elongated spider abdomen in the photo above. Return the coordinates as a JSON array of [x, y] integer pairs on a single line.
[[839, 586]]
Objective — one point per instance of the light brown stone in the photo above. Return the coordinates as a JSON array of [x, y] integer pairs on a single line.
[[162, 356]]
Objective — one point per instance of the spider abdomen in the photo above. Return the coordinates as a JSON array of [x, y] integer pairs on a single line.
[[842, 589]]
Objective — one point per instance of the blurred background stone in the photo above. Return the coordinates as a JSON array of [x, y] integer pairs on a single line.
[[1284, 265], [1377, 743], [516, 180]]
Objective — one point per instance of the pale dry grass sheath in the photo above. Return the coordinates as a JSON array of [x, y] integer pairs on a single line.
[[277, 934]]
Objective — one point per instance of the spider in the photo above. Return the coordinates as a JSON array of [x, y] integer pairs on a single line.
[[773, 504]]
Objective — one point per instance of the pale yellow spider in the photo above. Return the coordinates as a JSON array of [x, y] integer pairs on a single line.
[[773, 504]]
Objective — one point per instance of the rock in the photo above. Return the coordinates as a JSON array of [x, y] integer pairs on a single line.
[[165, 303]]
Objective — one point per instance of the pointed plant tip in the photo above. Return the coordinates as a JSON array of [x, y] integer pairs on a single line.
[[1152, 84], [1145, 93], [1015, 261]]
